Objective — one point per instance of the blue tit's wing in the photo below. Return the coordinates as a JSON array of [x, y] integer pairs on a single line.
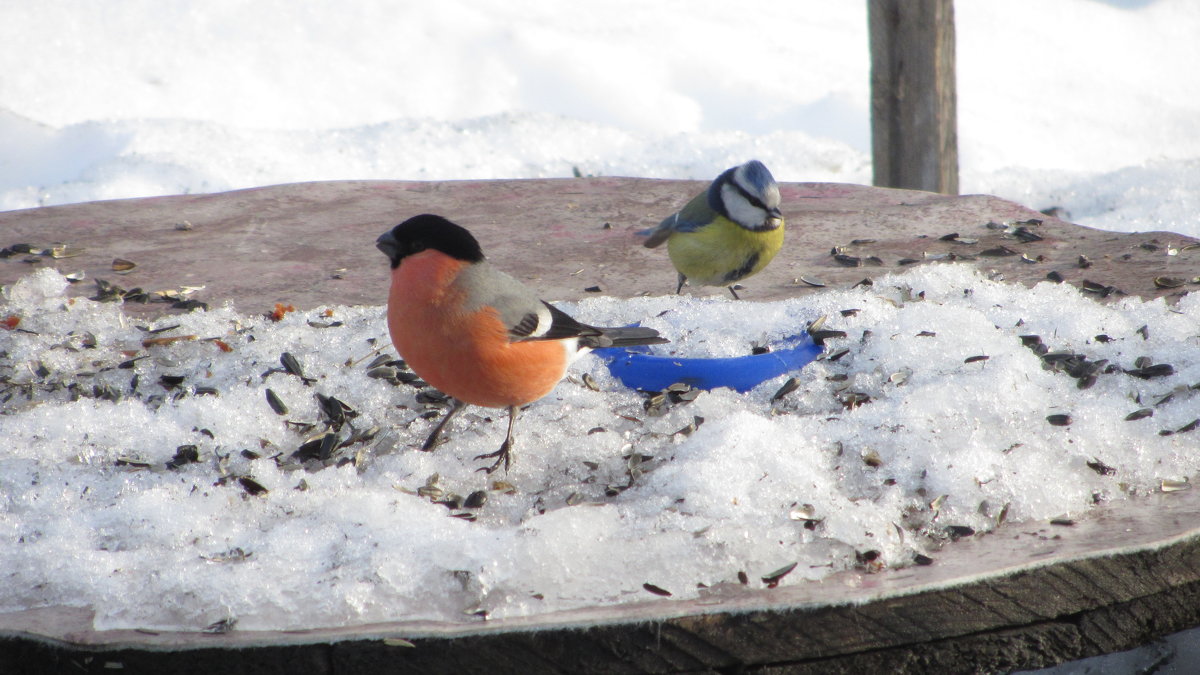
[[695, 214]]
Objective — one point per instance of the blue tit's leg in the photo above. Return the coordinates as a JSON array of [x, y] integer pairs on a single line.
[[682, 280], [735, 295]]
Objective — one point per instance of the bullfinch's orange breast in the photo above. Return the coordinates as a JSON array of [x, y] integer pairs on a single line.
[[467, 355]]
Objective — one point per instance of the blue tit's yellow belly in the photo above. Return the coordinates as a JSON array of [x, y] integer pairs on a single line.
[[721, 252]]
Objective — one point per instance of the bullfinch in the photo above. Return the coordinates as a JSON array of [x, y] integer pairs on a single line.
[[476, 333], [726, 233]]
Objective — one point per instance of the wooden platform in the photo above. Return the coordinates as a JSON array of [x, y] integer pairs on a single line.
[[314, 243], [1025, 596]]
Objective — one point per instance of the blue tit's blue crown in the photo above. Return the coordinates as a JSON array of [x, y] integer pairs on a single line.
[[757, 177]]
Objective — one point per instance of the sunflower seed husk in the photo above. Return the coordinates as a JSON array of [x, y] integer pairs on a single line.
[[252, 487], [657, 590], [792, 384], [220, 627], [959, 531], [1168, 485], [1169, 282], [1156, 370], [804, 512], [772, 580], [397, 642], [123, 266], [1059, 420]]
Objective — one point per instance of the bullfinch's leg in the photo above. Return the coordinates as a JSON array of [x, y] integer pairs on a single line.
[[502, 455], [432, 441]]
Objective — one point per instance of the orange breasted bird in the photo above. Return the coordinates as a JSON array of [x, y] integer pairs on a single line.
[[476, 333]]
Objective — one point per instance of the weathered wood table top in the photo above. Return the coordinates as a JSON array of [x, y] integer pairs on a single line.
[[1023, 596]]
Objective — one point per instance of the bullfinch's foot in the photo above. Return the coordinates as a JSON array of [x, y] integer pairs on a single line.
[[502, 457], [433, 441]]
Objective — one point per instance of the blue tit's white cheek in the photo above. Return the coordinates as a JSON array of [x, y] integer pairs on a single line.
[[771, 196], [740, 210]]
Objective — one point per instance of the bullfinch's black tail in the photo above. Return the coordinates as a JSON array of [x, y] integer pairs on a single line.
[[623, 337], [593, 337]]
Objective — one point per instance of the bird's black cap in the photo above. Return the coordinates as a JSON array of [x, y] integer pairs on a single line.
[[428, 231]]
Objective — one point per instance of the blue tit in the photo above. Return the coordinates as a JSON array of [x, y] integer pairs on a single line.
[[727, 233]]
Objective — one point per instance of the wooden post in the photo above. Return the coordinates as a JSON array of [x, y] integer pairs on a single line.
[[914, 137]]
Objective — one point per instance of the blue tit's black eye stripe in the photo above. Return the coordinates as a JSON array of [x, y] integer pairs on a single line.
[[749, 197]]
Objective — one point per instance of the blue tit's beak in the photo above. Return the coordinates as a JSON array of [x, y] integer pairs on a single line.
[[774, 217]]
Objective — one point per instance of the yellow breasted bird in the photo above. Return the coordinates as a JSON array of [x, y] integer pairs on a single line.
[[727, 233]]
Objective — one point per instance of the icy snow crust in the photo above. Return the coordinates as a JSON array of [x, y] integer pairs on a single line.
[[869, 462]]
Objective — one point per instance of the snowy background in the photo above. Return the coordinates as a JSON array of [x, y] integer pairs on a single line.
[[878, 457], [1091, 105]]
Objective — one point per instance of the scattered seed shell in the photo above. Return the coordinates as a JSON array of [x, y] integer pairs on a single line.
[[1168, 485], [792, 384], [163, 341], [252, 487], [397, 642], [1156, 370], [959, 531], [276, 403], [803, 512], [220, 627], [772, 580], [656, 590], [1003, 515], [123, 266]]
